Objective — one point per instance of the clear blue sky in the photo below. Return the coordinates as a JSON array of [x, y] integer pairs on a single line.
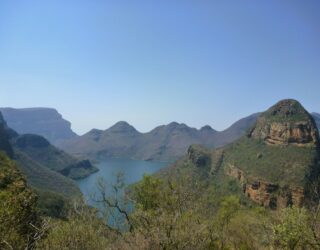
[[152, 62]]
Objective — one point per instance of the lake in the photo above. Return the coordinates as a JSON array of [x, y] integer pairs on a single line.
[[133, 171]]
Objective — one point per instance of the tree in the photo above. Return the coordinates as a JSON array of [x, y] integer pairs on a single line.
[[293, 229], [20, 225], [229, 207]]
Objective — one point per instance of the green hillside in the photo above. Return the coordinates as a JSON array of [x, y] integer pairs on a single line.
[[47, 155], [42, 178], [275, 164], [285, 165]]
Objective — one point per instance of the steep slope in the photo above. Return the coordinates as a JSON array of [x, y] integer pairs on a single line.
[[316, 118], [19, 219], [5, 135], [278, 161], [43, 153], [46, 122], [171, 141], [118, 141], [166, 142], [276, 164], [39, 177], [236, 130]]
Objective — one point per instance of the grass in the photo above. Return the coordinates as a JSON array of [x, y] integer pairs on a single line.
[[272, 163]]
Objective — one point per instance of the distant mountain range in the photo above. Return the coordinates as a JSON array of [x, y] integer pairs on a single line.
[[166, 142], [46, 122]]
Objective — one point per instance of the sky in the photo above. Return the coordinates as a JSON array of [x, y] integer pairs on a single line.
[[152, 62]]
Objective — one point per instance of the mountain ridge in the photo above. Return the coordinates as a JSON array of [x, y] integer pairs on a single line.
[[46, 167], [47, 122], [164, 142]]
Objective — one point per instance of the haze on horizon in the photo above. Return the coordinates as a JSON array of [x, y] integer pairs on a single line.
[[151, 63]]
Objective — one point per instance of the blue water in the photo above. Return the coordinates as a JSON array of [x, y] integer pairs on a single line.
[[133, 171]]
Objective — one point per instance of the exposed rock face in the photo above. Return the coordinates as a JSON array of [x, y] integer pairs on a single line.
[[286, 123], [46, 122], [289, 125], [236, 173], [273, 196], [265, 193]]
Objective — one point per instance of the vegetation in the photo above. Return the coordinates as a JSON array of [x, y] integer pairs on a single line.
[[171, 219], [43, 153], [42, 178], [20, 225], [286, 111], [180, 212], [280, 164], [200, 202]]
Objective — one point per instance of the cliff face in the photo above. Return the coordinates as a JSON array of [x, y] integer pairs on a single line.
[[285, 123], [266, 193], [46, 122], [266, 163], [274, 165]]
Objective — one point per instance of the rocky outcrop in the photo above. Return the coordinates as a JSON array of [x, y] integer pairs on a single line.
[[298, 133], [265, 193], [262, 193], [236, 173], [285, 123]]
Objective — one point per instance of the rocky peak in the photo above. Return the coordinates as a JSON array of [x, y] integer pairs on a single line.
[[207, 128], [287, 122], [121, 127], [95, 132]]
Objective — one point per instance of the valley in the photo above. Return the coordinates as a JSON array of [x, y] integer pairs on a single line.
[[267, 161]]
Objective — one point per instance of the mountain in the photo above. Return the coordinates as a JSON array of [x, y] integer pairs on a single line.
[[46, 167], [46, 122], [42, 152], [275, 164], [316, 118], [5, 134], [166, 142]]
